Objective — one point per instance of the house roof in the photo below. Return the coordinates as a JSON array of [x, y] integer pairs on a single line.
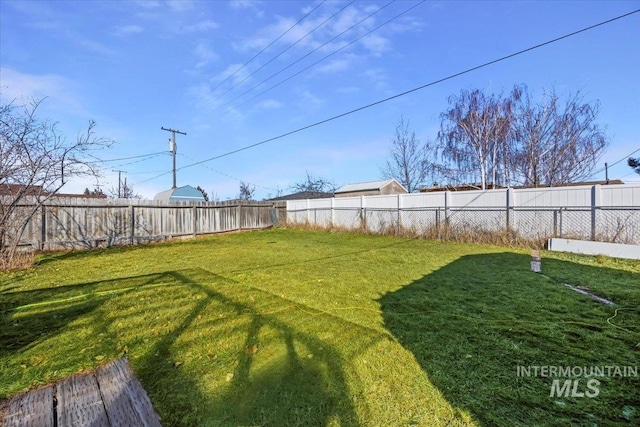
[[367, 186], [185, 193], [302, 195], [37, 190]]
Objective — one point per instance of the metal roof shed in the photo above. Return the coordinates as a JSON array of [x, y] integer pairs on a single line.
[[371, 188], [185, 193]]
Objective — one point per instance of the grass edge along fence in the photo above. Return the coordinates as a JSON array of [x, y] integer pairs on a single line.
[[609, 213], [76, 223]]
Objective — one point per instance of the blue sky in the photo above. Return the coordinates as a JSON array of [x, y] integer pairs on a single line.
[[134, 66]]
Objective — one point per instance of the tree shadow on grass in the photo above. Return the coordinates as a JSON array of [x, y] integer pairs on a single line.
[[27, 317], [293, 377], [472, 323], [269, 382]]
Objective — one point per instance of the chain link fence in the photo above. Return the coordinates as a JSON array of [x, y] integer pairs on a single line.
[[532, 226]]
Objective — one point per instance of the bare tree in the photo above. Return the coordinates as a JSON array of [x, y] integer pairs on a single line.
[[473, 136], [634, 164], [35, 163], [314, 183], [514, 139], [246, 191], [124, 191], [409, 161], [554, 142]]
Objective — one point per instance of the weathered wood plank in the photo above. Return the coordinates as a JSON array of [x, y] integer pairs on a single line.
[[33, 409], [80, 402], [126, 402]]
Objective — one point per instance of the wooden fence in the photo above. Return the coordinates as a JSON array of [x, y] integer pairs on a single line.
[[72, 223]]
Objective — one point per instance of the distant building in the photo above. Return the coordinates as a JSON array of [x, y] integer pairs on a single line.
[[185, 193], [372, 188], [37, 190], [302, 195]]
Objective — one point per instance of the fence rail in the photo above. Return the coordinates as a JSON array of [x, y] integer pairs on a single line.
[[72, 223], [610, 214]]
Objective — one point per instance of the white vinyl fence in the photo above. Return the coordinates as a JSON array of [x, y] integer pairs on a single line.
[[600, 212], [85, 223]]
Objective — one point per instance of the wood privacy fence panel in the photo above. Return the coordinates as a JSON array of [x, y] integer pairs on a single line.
[[600, 212], [64, 223]]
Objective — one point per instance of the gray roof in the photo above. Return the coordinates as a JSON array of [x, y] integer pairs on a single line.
[[367, 186], [304, 195]]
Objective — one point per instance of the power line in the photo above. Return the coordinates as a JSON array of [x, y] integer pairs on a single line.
[[125, 158], [229, 176], [327, 56], [267, 47], [449, 77], [315, 50], [281, 53], [613, 164]]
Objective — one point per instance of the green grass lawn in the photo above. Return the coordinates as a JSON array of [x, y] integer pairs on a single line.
[[292, 327]]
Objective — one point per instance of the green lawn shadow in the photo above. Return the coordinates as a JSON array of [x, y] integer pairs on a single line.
[[472, 323], [290, 390], [56, 308]]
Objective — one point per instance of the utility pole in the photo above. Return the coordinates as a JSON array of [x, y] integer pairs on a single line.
[[173, 150], [119, 181]]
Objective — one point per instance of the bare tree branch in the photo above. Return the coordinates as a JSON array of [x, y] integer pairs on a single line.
[[409, 161], [315, 184], [35, 163]]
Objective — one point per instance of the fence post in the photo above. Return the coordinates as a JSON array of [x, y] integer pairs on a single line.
[[43, 226], [399, 214], [239, 216], [195, 220], [333, 216], [446, 208], [308, 211], [132, 224], [510, 203], [595, 204], [363, 214]]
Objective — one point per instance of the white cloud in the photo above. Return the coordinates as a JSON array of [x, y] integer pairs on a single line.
[[348, 89], [269, 104], [307, 99], [378, 77], [26, 87], [148, 4], [335, 66], [201, 26], [376, 44], [124, 30], [180, 5], [247, 5], [239, 74], [92, 45], [204, 54]]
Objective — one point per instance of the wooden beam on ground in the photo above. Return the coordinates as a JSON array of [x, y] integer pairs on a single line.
[[80, 402], [34, 408], [110, 396], [126, 402]]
